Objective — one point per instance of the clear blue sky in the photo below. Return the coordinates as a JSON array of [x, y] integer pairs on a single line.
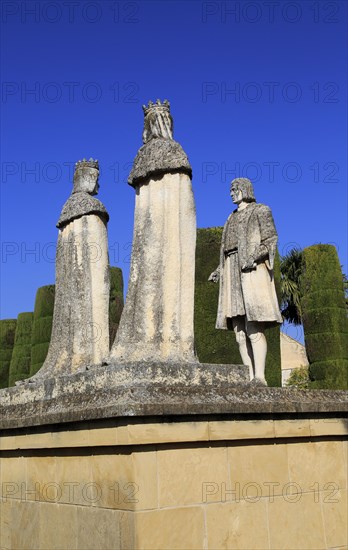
[[255, 90]]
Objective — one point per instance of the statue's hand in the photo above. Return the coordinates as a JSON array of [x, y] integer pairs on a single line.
[[249, 265], [215, 276]]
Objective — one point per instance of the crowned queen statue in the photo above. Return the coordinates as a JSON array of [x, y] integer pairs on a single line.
[[80, 331]]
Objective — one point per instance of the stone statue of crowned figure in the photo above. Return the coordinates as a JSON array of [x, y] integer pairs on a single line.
[[247, 299], [80, 329], [157, 320]]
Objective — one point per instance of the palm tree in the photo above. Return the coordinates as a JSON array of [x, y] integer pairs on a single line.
[[291, 270]]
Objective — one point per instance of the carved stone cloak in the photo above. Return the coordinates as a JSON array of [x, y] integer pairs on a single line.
[[157, 320], [250, 237], [80, 331]]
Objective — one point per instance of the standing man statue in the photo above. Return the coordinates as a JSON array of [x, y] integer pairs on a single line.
[[247, 300]]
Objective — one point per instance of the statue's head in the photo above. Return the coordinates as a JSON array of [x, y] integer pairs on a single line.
[[86, 176], [242, 190], [158, 122]]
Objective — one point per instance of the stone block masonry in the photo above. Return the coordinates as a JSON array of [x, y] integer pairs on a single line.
[[191, 464]]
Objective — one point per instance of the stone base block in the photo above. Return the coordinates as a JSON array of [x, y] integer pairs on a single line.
[[153, 456], [177, 483], [116, 389], [145, 389]]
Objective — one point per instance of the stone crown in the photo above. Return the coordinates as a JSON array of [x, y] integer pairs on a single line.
[[157, 107], [84, 163]]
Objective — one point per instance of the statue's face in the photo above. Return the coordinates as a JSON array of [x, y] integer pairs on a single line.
[[91, 178], [87, 180], [236, 194], [158, 124]]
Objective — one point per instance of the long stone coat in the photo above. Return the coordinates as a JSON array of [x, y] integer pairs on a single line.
[[80, 331], [157, 319], [250, 233]]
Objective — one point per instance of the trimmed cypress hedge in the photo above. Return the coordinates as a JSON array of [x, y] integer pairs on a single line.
[[7, 337], [325, 320], [321, 298], [21, 355], [317, 323], [42, 326], [273, 361], [212, 345], [116, 301], [220, 346]]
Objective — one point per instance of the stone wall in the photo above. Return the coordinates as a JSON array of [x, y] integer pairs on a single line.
[[293, 356], [204, 481]]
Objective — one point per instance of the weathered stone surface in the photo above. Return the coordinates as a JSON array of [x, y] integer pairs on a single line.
[[157, 157], [248, 247], [157, 319], [80, 330], [247, 297], [143, 389], [252, 290], [160, 154], [81, 204]]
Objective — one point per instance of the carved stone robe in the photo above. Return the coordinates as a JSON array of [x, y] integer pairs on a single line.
[[248, 233], [157, 319], [80, 330]]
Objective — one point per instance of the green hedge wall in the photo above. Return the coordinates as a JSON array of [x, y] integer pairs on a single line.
[[212, 345], [7, 337], [21, 355], [116, 301], [33, 332], [273, 360], [325, 320], [220, 346], [42, 326]]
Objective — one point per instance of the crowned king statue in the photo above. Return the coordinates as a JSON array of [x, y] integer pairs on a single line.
[[157, 320]]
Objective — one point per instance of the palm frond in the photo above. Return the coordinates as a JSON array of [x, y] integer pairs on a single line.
[[291, 271]]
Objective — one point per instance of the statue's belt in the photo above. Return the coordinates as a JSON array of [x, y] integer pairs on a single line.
[[230, 252]]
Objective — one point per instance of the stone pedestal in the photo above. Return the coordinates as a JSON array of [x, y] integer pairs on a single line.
[[190, 465], [119, 389]]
